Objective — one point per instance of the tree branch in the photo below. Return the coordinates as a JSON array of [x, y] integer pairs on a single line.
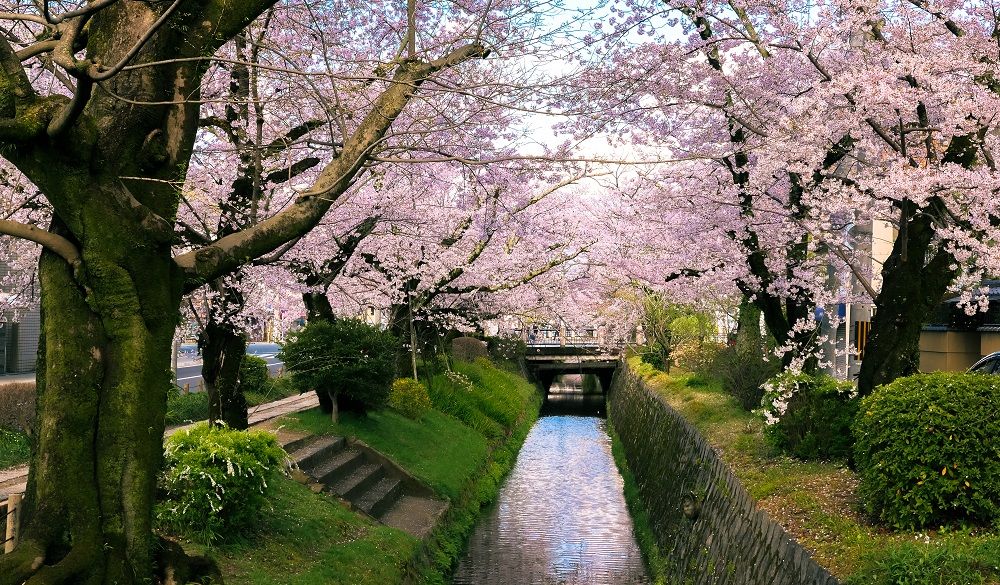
[[52, 242], [232, 251]]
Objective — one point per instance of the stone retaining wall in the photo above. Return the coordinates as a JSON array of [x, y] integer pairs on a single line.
[[706, 524]]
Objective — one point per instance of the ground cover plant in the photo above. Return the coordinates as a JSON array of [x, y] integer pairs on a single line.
[[437, 449], [15, 448], [453, 455], [817, 501], [185, 408]]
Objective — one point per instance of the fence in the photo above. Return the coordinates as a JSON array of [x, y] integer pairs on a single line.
[[10, 511]]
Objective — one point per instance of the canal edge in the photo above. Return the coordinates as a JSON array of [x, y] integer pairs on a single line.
[[707, 528], [438, 553]]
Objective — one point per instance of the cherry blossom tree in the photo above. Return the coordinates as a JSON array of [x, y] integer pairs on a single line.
[[101, 111], [789, 124]]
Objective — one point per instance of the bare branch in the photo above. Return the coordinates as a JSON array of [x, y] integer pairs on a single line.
[[50, 241]]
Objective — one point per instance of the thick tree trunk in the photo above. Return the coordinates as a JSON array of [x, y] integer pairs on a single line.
[[223, 349], [103, 378], [911, 290], [317, 307]]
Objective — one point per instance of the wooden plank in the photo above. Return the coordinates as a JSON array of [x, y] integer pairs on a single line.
[[13, 522]]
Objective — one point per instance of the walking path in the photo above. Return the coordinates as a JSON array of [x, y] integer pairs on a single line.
[[13, 480]]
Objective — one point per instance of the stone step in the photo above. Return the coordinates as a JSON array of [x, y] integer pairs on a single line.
[[295, 443], [381, 497], [338, 467], [311, 454], [357, 483]]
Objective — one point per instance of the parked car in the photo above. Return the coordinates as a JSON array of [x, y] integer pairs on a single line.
[[988, 365]]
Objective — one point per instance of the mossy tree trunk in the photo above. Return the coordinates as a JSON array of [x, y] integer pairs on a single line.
[[102, 382], [915, 279], [223, 349], [111, 286]]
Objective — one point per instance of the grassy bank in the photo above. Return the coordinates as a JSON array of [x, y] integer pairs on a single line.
[[651, 554], [461, 449], [311, 539], [816, 503]]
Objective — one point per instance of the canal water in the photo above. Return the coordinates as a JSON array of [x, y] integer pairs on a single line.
[[560, 516]]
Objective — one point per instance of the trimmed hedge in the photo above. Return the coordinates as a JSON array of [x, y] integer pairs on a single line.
[[17, 406], [928, 450], [467, 349]]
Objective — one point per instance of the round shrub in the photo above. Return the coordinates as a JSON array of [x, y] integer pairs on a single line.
[[410, 398], [214, 481], [928, 450], [808, 416], [253, 374], [348, 362], [467, 349]]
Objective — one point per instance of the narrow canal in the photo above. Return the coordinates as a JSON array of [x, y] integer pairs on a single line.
[[560, 517]]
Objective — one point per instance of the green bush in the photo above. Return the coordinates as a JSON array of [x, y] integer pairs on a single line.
[[467, 349], [347, 360], [653, 355], [186, 408], [808, 416], [410, 398], [253, 375], [928, 450], [505, 349], [214, 481], [743, 374]]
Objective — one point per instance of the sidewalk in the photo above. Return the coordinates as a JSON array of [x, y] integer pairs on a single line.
[[12, 378], [13, 480]]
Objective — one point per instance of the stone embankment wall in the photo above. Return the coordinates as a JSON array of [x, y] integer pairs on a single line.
[[706, 524]]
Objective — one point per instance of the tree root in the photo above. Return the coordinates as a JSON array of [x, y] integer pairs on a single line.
[[20, 564], [81, 566], [177, 567]]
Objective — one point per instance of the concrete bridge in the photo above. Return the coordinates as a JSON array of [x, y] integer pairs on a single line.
[[547, 362]]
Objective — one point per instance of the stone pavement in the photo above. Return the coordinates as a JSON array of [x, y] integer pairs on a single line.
[[13, 480]]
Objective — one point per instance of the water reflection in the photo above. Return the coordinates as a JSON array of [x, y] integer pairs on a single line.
[[560, 516]]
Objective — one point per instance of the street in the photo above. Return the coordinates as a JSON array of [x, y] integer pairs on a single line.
[[190, 373]]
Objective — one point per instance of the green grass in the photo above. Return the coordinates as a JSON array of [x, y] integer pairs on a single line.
[[15, 448], [311, 539], [816, 502], [462, 449], [186, 408], [275, 389], [437, 449]]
